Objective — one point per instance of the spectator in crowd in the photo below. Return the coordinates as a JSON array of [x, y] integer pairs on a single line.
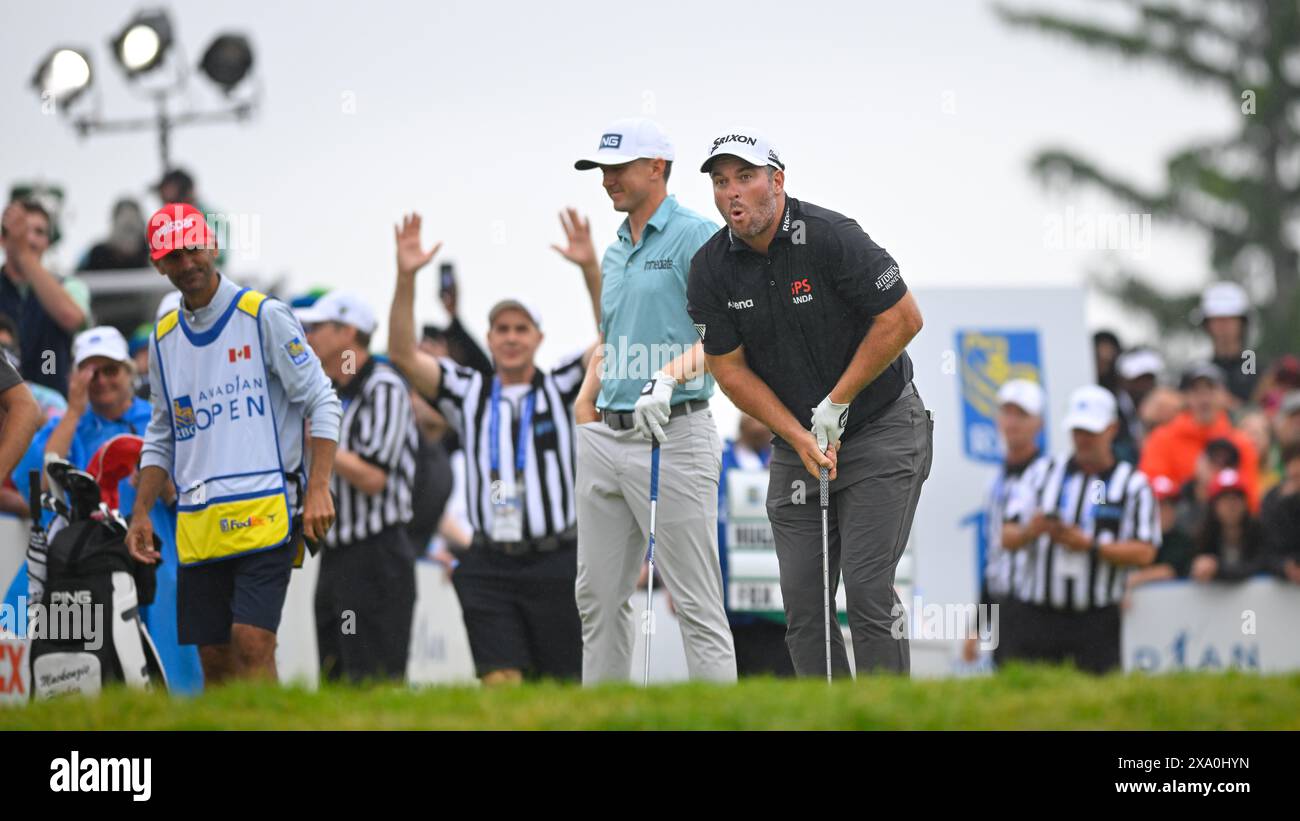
[[1174, 558], [1255, 425], [102, 405], [1138, 370], [516, 581], [1280, 516], [1194, 499], [1286, 423], [1230, 545], [125, 246], [1279, 380], [759, 639], [1224, 311], [47, 309], [51, 402], [1087, 520], [365, 592], [1105, 353], [1160, 407], [1172, 449], [433, 341]]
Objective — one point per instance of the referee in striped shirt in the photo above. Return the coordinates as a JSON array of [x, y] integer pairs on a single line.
[[1019, 420], [1086, 519], [516, 581], [365, 592]]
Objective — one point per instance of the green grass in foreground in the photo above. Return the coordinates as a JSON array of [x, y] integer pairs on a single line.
[[1020, 698]]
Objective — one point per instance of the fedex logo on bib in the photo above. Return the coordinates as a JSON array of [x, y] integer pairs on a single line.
[[232, 402], [227, 525]]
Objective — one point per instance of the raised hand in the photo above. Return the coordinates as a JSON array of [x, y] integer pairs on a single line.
[[15, 229], [577, 230], [410, 256]]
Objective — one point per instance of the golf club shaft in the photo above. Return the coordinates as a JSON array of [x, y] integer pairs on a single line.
[[826, 565]]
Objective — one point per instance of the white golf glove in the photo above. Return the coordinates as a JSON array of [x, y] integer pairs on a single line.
[[828, 421], [654, 408]]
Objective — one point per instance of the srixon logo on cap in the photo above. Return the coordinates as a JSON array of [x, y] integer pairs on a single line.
[[611, 140], [732, 138]]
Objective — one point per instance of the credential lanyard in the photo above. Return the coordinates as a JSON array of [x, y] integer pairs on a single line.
[[494, 430]]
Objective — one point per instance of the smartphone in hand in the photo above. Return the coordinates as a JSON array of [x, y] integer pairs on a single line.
[[446, 281]]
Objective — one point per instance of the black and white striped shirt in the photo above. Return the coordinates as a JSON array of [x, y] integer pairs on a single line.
[[379, 426], [1001, 567], [1113, 506], [549, 507]]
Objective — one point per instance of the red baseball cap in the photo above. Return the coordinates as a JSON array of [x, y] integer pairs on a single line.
[[1226, 481], [1164, 488], [177, 225]]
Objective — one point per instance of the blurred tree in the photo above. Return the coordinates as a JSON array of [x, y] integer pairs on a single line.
[[1242, 191]]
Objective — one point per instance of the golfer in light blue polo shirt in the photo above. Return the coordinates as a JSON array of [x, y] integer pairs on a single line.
[[639, 283], [652, 384]]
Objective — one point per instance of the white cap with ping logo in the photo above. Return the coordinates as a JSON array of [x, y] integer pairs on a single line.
[[632, 138]]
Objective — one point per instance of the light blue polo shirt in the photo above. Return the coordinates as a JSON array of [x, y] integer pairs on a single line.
[[643, 305]]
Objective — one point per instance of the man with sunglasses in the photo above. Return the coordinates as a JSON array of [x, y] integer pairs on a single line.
[[101, 405]]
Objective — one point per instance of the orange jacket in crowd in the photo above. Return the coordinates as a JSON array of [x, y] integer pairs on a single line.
[[1173, 448]]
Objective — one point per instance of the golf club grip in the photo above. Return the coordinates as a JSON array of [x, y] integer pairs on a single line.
[[826, 487], [654, 469]]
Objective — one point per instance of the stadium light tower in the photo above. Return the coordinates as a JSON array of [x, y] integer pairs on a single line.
[[145, 45]]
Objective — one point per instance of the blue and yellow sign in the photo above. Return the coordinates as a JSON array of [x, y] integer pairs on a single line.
[[988, 359]]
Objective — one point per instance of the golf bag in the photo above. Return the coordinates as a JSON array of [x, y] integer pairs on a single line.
[[86, 628]]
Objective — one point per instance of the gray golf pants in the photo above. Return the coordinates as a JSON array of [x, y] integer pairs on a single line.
[[873, 499], [613, 495]]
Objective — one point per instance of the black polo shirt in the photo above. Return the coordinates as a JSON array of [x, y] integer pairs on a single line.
[[801, 310]]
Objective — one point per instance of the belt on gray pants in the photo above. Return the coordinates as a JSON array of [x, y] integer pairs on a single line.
[[626, 420]]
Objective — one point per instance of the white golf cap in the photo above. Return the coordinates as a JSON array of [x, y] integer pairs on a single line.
[[105, 341], [1022, 393], [344, 307], [170, 302], [632, 138], [1092, 408], [1224, 299], [745, 143], [515, 305], [1139, 362]]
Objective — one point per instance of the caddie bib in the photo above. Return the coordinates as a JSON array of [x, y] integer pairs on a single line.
[[230, 481]]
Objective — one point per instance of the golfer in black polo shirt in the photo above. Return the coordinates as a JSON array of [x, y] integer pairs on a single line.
[[804, 321]]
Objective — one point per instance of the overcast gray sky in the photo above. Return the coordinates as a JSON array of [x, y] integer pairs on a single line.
[[915, 118]]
